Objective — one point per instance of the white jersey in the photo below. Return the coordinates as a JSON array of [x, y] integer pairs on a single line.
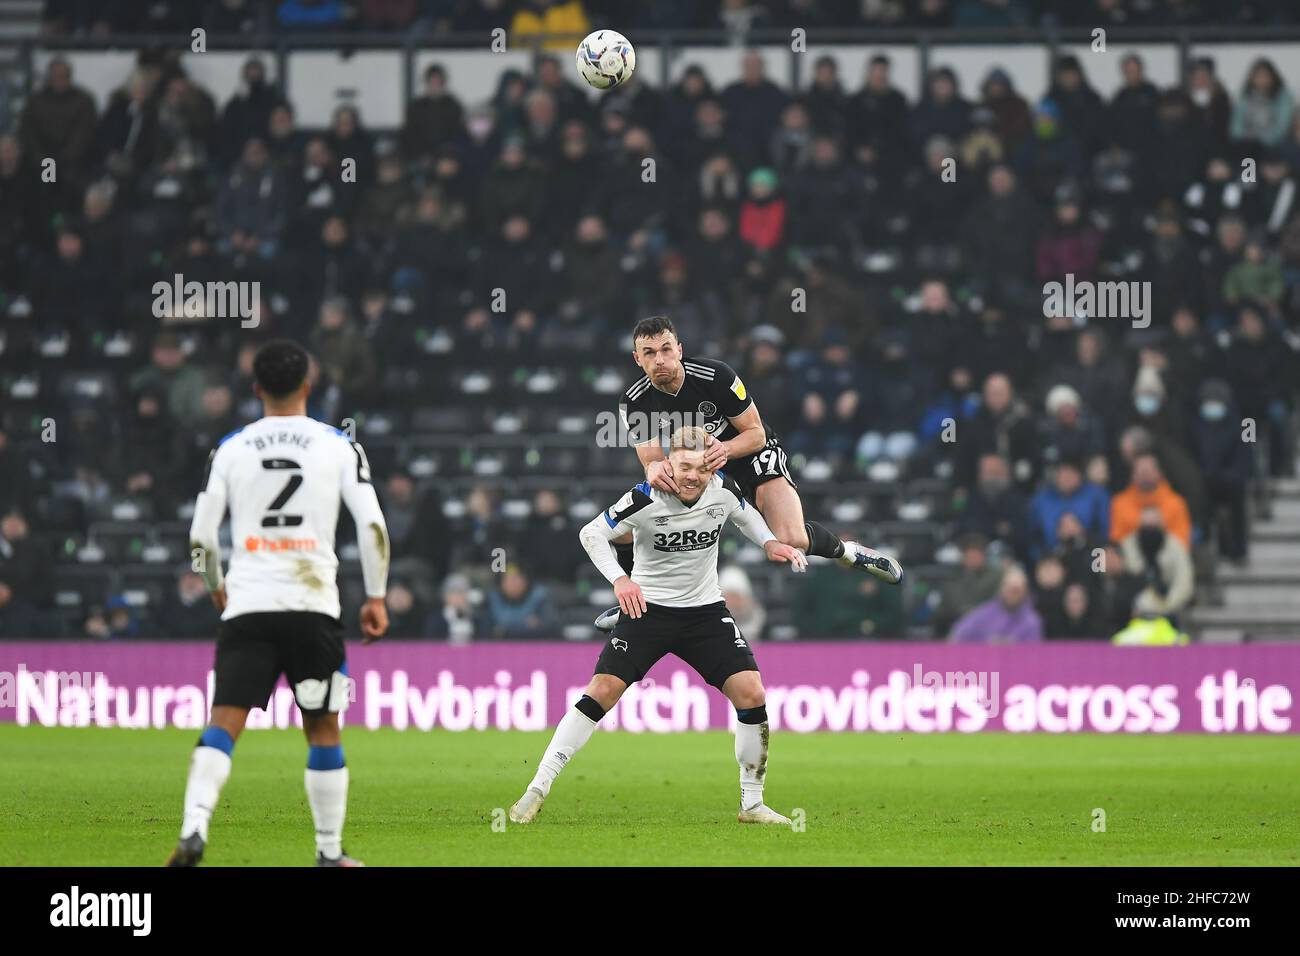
[[675, 545], [283, 477]]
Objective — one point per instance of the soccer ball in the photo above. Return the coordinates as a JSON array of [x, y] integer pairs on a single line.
[[605, 59]]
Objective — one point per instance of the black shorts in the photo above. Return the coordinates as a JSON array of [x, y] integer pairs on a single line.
[[704, 637], [762, 466], [253, 650]]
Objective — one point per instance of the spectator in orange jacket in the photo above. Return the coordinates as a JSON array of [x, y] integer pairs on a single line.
[[1148, 489]]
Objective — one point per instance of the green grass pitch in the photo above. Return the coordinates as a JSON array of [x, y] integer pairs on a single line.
[[113, 797]]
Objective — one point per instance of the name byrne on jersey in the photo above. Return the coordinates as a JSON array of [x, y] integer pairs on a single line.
[[294, 439]]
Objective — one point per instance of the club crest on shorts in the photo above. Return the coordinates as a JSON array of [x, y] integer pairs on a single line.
[[619, 643]]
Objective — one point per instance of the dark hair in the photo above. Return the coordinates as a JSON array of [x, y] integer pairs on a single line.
[[650, 327], [280, 368]]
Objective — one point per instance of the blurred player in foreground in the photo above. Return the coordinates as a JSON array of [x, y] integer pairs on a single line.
[[283, 477], [671, 604]]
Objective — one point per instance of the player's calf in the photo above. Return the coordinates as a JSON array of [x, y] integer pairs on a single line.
[[745, 691], [210, 765], [573, 732], [326, 783]]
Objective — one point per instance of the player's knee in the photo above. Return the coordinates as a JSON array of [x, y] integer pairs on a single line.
[[229, 719], [795, 537], [746, 691], [322, 730], [606, 689]]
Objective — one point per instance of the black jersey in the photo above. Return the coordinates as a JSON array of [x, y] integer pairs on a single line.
[[711, 394]]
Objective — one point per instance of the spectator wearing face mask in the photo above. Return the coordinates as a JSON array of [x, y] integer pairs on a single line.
[[457, 620], [1149, 489], [1164, 564], [1151, 406], [1226, 464]]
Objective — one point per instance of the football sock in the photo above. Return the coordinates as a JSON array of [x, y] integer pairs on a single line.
[[821, 542], [326, 779], [751, 754], [624, 552], [209, 770], [575, 729]]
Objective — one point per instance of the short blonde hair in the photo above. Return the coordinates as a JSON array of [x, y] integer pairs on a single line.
[[691, 438]]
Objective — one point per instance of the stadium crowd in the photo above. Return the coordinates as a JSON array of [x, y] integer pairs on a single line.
[[921, 391], [527, 18]]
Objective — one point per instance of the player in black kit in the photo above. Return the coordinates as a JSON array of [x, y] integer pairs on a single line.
[[676, 392]]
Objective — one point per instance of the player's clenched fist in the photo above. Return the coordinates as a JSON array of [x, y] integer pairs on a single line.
[[660, 475], [630, 599], [374, 620], [781, 553]]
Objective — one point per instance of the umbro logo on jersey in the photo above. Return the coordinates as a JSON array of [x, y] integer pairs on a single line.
[[661, 521], [619, 643]]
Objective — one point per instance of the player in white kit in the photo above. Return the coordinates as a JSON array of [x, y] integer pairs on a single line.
[[282, 478], [671, 604]]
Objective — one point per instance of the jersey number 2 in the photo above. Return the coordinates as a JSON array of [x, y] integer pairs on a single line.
[[274, 517]]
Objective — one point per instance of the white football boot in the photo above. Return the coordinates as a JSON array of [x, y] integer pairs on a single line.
[[873, 562], [526, 808], [761, 814]]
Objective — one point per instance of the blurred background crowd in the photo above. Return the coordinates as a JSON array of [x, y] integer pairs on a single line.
[[539, 17], [1042, 476]]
